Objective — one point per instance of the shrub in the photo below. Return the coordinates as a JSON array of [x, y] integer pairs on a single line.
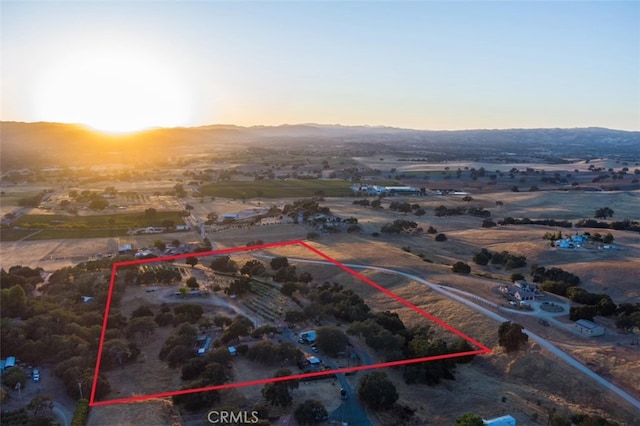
[[81, 413], [461, 268], [441, 237]]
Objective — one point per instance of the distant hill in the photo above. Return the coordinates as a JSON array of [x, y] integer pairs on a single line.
[[24, 145]]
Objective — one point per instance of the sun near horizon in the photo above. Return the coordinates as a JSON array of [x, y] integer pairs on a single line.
[[113, 91]]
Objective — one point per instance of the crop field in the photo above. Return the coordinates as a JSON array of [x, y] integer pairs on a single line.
[[99, 221], [14, 234], [268, 302], [277, 189], [55, 234]]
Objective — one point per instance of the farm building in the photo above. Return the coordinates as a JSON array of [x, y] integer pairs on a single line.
[[153, 230], [308, 336], [202, 345], [7, 363], [501, 421], [385, 190], [589, 328], [125, 249]]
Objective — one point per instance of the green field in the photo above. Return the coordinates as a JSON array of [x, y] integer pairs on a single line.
[[14, 234], [59, 234], [97, 222], [278, 188]]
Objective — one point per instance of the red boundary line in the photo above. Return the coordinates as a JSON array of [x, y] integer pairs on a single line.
[[93, 403]]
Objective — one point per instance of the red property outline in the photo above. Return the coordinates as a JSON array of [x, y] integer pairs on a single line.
[[93, 403]]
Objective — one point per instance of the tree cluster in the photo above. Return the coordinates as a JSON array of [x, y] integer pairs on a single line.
[[555, 279], [377, 391], [623, 225], [253, 268], [442, 211], [310, 412], [603, 213], [461, 268], [503, 258], [224, 264], [343, 304], [628, 316], [178, 348], [270, 353], [278, 393], [165, 275], [58, 328], [331, 340], [304, 207], [399, 226], [526, 221], [386, 333], [34, 200], [404, 207], [511, 337]]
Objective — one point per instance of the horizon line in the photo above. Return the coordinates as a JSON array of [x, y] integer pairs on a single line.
[[312, 124]]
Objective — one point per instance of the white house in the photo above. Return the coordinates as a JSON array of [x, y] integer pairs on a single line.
[[589, 328], [524, 291]]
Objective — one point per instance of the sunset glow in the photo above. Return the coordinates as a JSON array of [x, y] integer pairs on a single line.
[[112, 91], [123, 66]]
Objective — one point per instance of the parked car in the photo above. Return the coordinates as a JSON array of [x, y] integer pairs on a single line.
[[36, 375], [343, 393]]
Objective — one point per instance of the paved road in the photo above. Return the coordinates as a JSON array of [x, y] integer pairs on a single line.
[[61, 413], [538, 339]]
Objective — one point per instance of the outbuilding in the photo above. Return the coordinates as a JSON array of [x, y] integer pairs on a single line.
[[308, 336], [589, 328]]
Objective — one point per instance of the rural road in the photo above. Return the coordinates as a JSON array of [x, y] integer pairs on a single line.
[[350, 410], [62, 414], [497, 317]]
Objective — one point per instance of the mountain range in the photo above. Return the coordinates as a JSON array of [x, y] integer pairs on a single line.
[[42, 144]]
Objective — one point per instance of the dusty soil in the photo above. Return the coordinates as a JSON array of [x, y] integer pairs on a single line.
[[532, 383]]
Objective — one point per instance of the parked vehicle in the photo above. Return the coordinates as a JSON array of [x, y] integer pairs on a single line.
[[36, 375]]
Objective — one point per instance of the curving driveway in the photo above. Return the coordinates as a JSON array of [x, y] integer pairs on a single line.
[[455, 295]]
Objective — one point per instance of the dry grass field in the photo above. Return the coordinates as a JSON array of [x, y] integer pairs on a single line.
[[527, 385]]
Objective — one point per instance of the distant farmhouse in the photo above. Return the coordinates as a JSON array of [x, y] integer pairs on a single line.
[[588, 328], [524, 291], [520, 291], [125, 249], [573, 241], [378, 190]]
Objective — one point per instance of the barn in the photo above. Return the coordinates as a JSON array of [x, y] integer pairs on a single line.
[[589, 328]]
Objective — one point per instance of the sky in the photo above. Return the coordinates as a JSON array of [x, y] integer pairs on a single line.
[[124, 65]]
